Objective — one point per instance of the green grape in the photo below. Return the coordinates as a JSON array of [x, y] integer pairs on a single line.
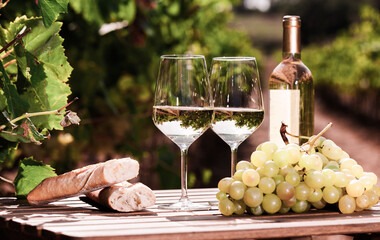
[[237, 190], [243, 165], [260, 171], [327, 142], [251, 177], [240, 207], [258, 158], [315, 196], [302, 191], [319, 205], [238, 175], [226, 207], [332, 151], [311, 162], [291, 202], [284, 209], [253, 197], [224, 184], [285, 170], [372, 176], [357, 170], [269, 148], [328, 177], [324, 159], [347, 204], [294, 152], [271, 203], [300, 206], [347, 172], [331, 194], [341, 179], [270, 169], [221, 195], [332, 167], [281, 157], [376, 189], [293, 178], [285, 191], [315, 179], [362, 201], [267, 185], [257, 211], [372, 197], [345, 155], [278, 179], [355, 188], [347, 163]]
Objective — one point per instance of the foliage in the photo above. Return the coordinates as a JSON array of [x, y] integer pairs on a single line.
[[30, 174], [351, 62], [33, 87], [114, 47]]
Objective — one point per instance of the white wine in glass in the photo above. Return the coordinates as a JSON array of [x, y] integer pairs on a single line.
[[183, 110], [238, 101]]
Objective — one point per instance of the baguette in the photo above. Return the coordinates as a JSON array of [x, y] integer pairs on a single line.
[[84, 180], [124, 197]]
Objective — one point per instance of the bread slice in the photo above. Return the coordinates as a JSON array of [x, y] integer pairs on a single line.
[[84, 180], [124, 197]]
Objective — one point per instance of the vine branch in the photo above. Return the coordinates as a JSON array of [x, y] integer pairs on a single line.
[[18, 37], [28, 115]]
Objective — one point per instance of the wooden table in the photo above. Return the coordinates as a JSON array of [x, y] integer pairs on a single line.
[[72, 218]]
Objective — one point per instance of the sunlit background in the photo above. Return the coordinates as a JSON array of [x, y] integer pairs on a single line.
[[114, 48]]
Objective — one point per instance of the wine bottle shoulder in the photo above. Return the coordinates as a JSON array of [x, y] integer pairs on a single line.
[[290, 74]]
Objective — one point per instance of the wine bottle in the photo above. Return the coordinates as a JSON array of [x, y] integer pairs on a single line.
[[291, 90]]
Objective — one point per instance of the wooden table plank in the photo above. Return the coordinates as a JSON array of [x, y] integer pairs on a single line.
[[74, 219]]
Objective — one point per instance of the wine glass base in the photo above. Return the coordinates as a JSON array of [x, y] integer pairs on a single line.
[[185, 205]]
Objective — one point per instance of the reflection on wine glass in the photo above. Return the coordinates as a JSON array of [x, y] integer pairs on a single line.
[[238, 101], [183, 109]]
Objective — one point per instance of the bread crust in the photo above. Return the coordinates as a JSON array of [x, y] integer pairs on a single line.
[[84, 180], [124, 197]]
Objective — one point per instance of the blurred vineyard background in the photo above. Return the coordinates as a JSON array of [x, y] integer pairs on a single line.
[[114, 48]]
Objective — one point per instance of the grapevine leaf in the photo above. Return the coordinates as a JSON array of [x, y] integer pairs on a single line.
[[42, 61], [30, 174], [25, 132], [16, 105], [50, 10]]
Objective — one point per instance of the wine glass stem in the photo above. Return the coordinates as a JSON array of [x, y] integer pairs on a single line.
[[184, 174], [233, 160]]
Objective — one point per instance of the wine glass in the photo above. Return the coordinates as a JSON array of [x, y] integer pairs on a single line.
[[238, 101], [183, 110]]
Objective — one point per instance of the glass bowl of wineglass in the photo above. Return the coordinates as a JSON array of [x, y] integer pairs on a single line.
[[238, 101], [183, 110]]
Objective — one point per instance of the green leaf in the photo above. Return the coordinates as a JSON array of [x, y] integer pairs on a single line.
[[42, 61], [30, 174], [50, 10], [16, 105]]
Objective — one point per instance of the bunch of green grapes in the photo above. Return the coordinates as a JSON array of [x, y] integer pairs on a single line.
[[297, 178]]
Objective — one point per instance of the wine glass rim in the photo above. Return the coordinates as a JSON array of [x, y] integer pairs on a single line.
[[234, 59], [182, 56]]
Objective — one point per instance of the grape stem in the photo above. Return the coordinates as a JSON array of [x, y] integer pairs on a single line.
[[28, 115], [6, 180], [312, 140]]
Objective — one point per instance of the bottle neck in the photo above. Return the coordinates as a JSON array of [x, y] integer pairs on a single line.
[[291, 56], [291, 45]]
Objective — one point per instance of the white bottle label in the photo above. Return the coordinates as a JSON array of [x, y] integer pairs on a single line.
[[284, 106]]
